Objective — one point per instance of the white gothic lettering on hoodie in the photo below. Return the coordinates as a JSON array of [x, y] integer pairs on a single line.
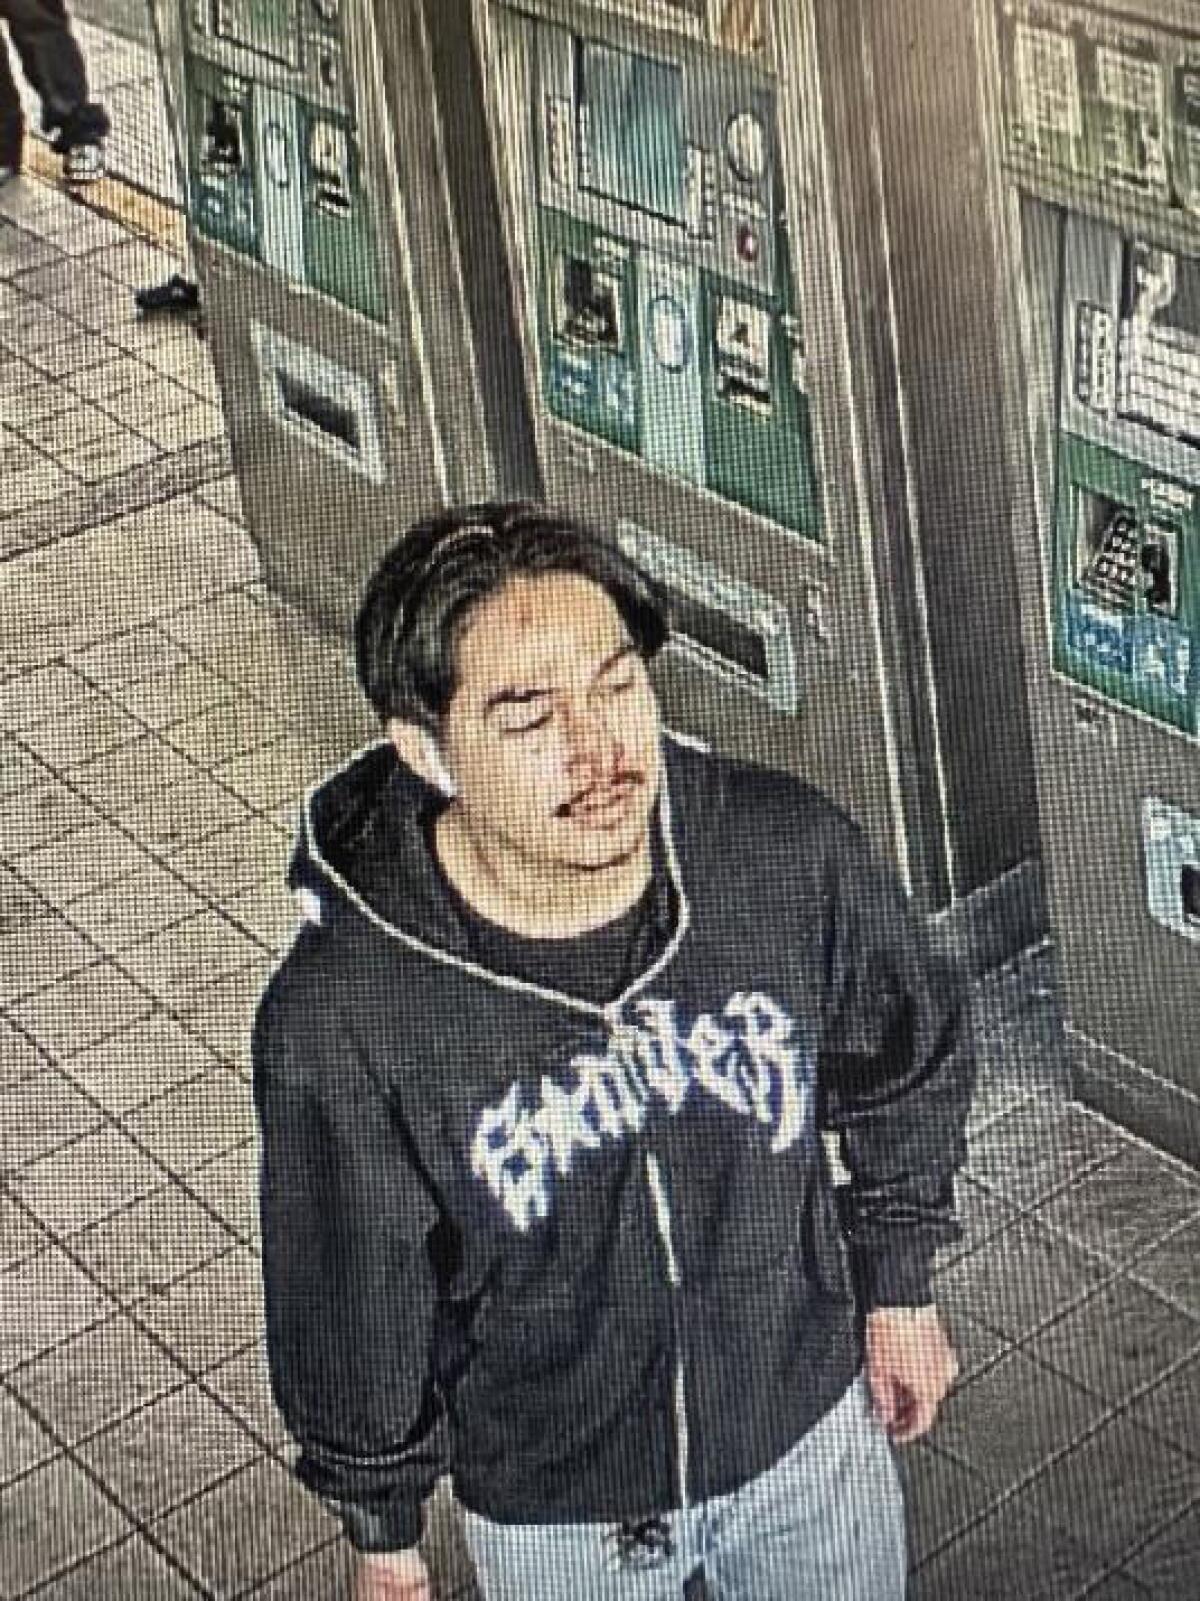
[[748, 1059]]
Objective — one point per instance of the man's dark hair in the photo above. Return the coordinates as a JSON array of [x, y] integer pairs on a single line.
[[426, 587]]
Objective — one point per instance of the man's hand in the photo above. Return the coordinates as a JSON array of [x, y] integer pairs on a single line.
[[910, 1366], [392, 1576]]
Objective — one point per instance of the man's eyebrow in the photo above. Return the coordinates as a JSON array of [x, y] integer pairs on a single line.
[[523, 697]]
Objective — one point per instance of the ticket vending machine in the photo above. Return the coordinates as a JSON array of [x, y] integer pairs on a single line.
[[353, 276], [1095, 117], [755, 294]]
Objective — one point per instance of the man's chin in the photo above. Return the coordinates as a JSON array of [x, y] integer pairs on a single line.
[[593, 849]]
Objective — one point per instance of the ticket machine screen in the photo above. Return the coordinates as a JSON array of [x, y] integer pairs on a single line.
[[631, 124]]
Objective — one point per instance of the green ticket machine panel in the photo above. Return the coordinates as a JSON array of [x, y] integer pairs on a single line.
[[274, 165], [666, 316]]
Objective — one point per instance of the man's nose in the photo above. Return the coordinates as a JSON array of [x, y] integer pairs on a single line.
[[590, 737]]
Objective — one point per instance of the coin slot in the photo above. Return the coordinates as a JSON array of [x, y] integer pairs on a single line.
[[303, 403]]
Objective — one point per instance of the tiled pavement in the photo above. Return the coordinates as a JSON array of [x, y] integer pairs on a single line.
[[159, 715]]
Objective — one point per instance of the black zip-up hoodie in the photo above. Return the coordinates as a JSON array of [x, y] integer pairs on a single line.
[[587, 1260]]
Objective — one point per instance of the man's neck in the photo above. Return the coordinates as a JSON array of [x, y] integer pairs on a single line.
[[541, 903]]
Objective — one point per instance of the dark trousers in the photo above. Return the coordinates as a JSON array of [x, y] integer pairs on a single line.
[[40, 31]]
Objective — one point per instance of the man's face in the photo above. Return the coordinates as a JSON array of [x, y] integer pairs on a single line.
[[553, 732]]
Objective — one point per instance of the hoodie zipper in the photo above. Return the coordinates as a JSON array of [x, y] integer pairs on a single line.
[[662, 1214]]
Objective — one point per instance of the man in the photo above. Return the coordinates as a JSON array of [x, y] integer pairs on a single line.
[[545, 1201], [50, 57]]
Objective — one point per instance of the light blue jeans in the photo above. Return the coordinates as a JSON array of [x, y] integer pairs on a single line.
[[826, 1523]]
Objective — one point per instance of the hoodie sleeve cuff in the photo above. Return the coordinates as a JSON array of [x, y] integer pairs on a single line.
[[897, 1276], [382, 1526]]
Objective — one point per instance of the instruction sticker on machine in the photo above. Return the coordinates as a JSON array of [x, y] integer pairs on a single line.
[[1047, 74], [1132, 90]]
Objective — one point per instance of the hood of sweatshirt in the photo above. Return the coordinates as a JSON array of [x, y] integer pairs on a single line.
[[363, 849]]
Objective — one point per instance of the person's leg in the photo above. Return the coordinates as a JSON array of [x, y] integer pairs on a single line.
[[53, 63], [12, 120], [586, 1562], [827, 1521]]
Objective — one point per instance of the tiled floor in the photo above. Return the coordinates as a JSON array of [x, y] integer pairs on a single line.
[[158, 717]]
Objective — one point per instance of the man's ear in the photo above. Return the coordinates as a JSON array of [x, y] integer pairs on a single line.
[[418, 749]]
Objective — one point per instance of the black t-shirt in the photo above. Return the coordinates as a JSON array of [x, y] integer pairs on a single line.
[[594, 967]]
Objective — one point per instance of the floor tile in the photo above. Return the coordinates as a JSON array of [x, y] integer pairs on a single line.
[[76, 431], [328, 1571], [1168, 1565], [1006, 1423], [1124, 1207], [171, 819], [83, 1183], [119, 372], [135, 262], [38, 1115], [129, 664], [234, 860], [20, 905], [26, 410], [279, 772], [269, 912], [38, 952], [223, 1014], [167, 1453], [81, 1010], [139, 1064], [1120, 1341], [133, 910], [224, 496], [40, 482], [246, 1530], [942, 1497], [40, 814], [49, 1521], [32, 697], [1171, 1268], [210, 1315], [115, 451], [224, 732], [95, 1379], [176, 962], [144, 767], [20, 1237], [1009, 1554], [174, 694], [26, 1443], [1116, 1586], [82, 733], [1036, 1150], [70, 352], [243, 1385], [19, 1057], [81, 862], [1020, 1280], [229, 1185], [131, 1571], [146, 1247], [43, 1302], [18, 768], [199, 1120], [1172, 1408], [1115, 1490], [189, 423]]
